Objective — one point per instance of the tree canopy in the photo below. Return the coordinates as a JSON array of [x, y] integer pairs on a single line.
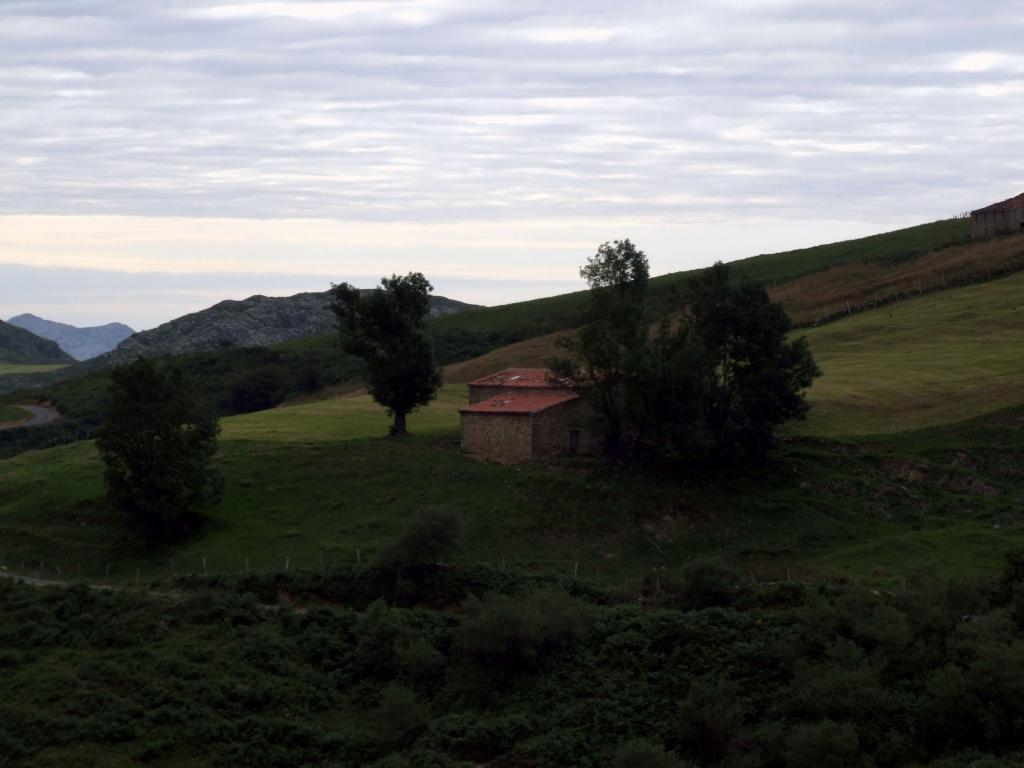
[[157, 444], [385, 327], [708, 385]]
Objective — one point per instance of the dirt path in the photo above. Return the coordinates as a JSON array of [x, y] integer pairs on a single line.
[[41, 414]]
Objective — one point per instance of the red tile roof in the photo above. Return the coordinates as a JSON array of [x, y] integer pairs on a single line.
[[515, 377], [521, 403], [1007, 205]]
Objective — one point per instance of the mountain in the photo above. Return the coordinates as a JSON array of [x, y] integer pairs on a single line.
[[20, 346], [80, 343], [258, 321]]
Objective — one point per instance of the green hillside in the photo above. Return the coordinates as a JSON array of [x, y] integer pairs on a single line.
[[23, 347], [935, 359], [480, 330], [316, 480]]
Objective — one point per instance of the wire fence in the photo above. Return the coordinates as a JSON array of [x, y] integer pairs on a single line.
[[596, 573]]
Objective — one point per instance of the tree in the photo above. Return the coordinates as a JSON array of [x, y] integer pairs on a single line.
[[708, 387], [157, 444], [613, 337], [385, 328], [755, 376]]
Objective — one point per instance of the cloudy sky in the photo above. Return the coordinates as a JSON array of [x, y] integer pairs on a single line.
[[156, 157]]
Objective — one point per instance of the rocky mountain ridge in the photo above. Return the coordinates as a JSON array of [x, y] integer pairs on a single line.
[[258, 321]]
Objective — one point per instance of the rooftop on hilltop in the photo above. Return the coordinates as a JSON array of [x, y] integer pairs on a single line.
[[520, 403], [1006, 205]]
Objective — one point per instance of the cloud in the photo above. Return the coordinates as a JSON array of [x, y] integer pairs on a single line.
[[390, 114]]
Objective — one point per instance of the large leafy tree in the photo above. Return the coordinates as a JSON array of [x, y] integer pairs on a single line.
[[385, 327], [611, 342], [757, 376], [157, 444], [709, 385]]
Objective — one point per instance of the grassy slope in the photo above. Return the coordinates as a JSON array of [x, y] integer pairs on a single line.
[[6, 368], [9, 414], [935, 359], [313, 481], [526, 320]]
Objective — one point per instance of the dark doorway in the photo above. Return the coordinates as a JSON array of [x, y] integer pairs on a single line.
[[574, 442]]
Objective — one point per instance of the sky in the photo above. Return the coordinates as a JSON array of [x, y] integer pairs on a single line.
[[157, 157]]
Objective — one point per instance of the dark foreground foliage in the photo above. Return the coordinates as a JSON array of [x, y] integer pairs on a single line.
[[484, 668]]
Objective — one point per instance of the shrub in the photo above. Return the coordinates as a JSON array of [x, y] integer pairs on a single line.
[[257, 391], [501, 634], [708, 582], [823, 745], [419, 661], [427, 540], [400, 716], [641, 753], [710, 717]]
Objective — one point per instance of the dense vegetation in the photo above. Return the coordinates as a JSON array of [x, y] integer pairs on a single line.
[[352, 668]]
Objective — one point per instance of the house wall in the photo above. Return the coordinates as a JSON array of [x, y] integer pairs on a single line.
[[502, 437], [552, 429], [994, 223]]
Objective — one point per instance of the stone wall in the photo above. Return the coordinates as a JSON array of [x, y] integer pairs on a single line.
[[553, 428], [995, 223], [505, 438]]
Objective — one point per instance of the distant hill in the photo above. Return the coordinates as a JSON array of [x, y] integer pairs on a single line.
[[20, 346], [258, 321], [80, 343]]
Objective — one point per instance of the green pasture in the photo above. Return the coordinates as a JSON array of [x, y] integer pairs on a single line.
[[10, 413], [319, 483], [936, 359], [19, 368]]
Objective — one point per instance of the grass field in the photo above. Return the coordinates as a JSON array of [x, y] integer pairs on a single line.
[[9, 413], [936, 359], [316, 481], [6, 368]]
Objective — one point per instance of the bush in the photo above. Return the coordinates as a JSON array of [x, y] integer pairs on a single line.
[[708, 582], [641, 753], [427, 540], [258, 390], [710, 717], [823, 745], [400, 716], [502, 634]]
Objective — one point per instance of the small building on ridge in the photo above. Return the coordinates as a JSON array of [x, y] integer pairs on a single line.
[[1003, 218], [520, 415]]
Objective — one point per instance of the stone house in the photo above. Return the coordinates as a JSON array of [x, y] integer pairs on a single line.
[[519, 415], [1002, 218]]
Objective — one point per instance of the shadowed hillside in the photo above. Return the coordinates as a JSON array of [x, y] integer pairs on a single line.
[[20, 346]]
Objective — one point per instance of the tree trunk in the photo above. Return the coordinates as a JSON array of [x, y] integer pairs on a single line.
[[398, 428]]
